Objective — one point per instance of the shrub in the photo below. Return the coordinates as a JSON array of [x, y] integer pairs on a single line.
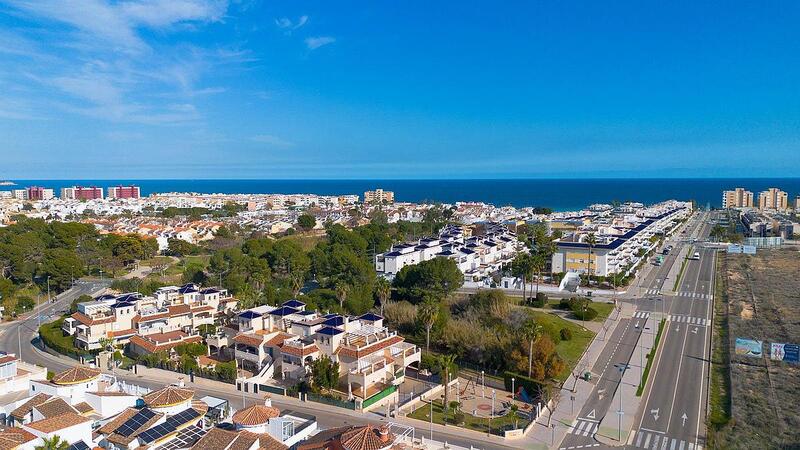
[[566, 334], [540, 300], [588, 313]]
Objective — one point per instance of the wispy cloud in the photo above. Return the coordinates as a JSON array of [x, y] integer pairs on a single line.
[[288, 24], [271, 140], [314, 43]]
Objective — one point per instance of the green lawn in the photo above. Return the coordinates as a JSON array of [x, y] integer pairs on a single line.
[[603, 309], [572, 350], [498, 424]]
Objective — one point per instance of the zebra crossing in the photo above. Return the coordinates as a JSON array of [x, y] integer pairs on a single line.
[[656, 441], [652, 291], [686, 294], [584, 427], [698, 321], [641, 315]]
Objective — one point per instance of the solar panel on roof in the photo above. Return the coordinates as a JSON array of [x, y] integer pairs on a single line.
[[183, 417], [155, 433], [80, 445], [135, 422]]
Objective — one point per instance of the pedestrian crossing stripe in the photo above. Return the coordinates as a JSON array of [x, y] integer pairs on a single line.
[[641, 315], [687, 294], [654, 441], [697, 321], [583, 428]]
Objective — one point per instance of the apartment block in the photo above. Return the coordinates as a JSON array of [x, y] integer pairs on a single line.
[[39, 193], [619, 244], [737, 198], [123, 192], [281, 342], [477, 256], [82, 193], [378, 196], [773, 198], [167, 319]]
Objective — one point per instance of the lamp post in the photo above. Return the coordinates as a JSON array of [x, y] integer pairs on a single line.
[[621, 368], [483, 385], [513, 391], [48, 289], [494, 394]]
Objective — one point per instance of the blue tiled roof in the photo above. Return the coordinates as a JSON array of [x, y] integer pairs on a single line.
[[294, 303], [334, 321], [306, 313], [329, 331], [122, 304], [249, 315], [210, 291], [187, 288], [370, 317], [284, 311]]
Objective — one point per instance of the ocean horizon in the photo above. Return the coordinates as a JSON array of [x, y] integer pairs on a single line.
[[560, 194]]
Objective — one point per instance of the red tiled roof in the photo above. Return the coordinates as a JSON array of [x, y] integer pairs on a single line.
[[168, 396], [52, 424], [179, 310], [278, 339], [255, 415], [296, 351], [248, 339], [11, 438], [75, 375], [88, 321], [7, 358], [153, 343]]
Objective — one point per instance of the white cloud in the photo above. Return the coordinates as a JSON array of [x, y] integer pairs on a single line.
[[287, 23], [272, 140], [314, 43]]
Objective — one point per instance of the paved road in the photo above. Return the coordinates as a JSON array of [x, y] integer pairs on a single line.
[[673, 413], [621, 345], [21, 331]]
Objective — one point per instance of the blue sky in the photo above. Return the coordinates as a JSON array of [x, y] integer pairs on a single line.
[[412, 89]]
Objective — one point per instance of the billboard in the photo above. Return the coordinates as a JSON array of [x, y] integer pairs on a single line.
[[785, 352], [748, 347]]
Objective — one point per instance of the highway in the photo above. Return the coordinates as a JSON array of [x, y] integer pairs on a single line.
[[673, 413], [18, 336], [621, 344]]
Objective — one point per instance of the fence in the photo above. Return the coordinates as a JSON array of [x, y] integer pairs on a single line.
[[273, 389], [330, 401], [379, 396]]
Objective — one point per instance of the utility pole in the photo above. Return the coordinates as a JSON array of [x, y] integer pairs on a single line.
[[48, 289]]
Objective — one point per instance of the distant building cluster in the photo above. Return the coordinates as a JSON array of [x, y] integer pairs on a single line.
[[378, 196], [772, 199]]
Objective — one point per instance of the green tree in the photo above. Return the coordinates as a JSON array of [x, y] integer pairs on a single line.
[[447, 368], [520, 267], [325, 373], [438, 277], [306, 222], [492, 302], [342, 289], [531, 332], [591, 241], [383, 289], [53, 443], [427, 314]]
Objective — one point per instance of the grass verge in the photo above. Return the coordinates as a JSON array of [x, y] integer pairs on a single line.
[[572, 350], [720, 391], [680, 274], [650, 358]]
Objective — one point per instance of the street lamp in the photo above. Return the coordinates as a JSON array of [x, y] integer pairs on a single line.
[[512, 388], [621, 368]]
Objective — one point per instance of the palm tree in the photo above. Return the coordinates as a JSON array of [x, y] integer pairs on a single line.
[[53, 443], [531, 332], [342, 289], [105, 342], [427, 313], [383, 289], [513, 415], [591, 240], [447, 366], [537, 264]]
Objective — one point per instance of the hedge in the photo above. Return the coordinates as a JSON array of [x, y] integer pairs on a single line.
[[52, 336], [534, 388]]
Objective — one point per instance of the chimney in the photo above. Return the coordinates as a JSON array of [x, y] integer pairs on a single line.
[[383, 432], [268, 400]]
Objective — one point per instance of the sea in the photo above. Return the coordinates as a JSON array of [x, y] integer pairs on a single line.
[[557, 194]]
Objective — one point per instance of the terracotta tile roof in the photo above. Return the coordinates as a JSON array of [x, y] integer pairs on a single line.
[[255, 415], [168, 396], [278, 339], [53, 424], [88, 321], [364, 351], [139, 318], [217, 439], [302, 352], [248, 339], [179, 310], [114, 423], [77, 374], [159, 342], [367, 437], [24, 409], [11, 438], [110, 394], [84, 408], [200, 309], [129, 331], [54, 407], [7, 358]]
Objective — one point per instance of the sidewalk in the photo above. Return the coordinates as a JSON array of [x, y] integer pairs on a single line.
[[543, 435], [617, 424]]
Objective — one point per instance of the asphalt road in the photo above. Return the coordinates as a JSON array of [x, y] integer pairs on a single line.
[[18, 336], [673, 413], [621, 344]]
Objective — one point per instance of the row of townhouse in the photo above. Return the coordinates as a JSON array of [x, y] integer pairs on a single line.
[[477, 256], [88, 409], [281, 342], [618, 247], [169, 316]]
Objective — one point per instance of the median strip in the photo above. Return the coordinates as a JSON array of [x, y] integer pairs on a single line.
[[680, 273], [650, 357]]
